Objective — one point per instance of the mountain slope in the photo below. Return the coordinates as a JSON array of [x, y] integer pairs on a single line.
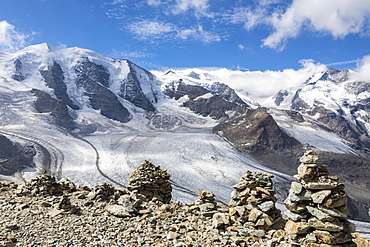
[[94, 119]]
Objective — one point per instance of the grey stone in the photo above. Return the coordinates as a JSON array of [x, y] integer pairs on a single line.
[[319, 214], [266, 206], [117, 210], [319, 197]]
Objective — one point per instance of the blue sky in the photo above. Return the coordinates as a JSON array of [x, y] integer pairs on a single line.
[[159, 34]]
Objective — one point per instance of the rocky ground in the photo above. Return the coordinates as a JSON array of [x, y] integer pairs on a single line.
[[44, 212]]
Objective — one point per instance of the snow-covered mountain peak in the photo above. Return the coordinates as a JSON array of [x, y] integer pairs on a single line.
[[213, 79], [333, 100], [81, 79]]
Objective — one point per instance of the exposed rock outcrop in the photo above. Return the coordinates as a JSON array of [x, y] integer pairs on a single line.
[[94, 79], [57, 109], [18, 76], [54, 78], [226, 93], [133, 92], [14, 157]]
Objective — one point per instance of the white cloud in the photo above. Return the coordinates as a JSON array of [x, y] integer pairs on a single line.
[[200, 7], [285, 19], [249, 17], [338, 18], [363, 70], [262, 84], [10, 38], [159, 31], [342, 63], [61, 46], [244, 48], [147, 29], [205, 36], [154, 3]]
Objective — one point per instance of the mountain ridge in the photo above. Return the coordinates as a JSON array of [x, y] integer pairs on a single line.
[[125, 112]]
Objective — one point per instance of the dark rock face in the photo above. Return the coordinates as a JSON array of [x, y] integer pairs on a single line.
[[352, 168], [94, 79], [54, 79], [256, 132], [14, 157], [46, 104], [226, 93], [279, 97], [18, 68], [357, 87], [89, 72], [184, 89], [339, 124], [295, 116], [132, 91], [297, 103], [215, 107]]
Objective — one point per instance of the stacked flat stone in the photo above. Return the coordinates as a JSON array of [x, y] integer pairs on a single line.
[[252, 203], [151, 181], [206, 203], [317, 207]]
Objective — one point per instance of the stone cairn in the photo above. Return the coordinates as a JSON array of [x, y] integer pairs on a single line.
[[151, 181], [44, 184], [252, 204], [105, 192], [206, 203], [317, 207]]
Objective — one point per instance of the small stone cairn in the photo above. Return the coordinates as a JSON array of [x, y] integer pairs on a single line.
[[317, 207], [105, 192], [45, 184], [206, 203], [252, 204], [151, 181]]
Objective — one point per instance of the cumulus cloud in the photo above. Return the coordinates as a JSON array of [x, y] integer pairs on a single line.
[[10, 38], [338, 18], [262, 84]]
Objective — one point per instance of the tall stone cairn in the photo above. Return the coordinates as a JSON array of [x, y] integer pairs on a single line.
[[317, 207], [252, 204], [151, 181]]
